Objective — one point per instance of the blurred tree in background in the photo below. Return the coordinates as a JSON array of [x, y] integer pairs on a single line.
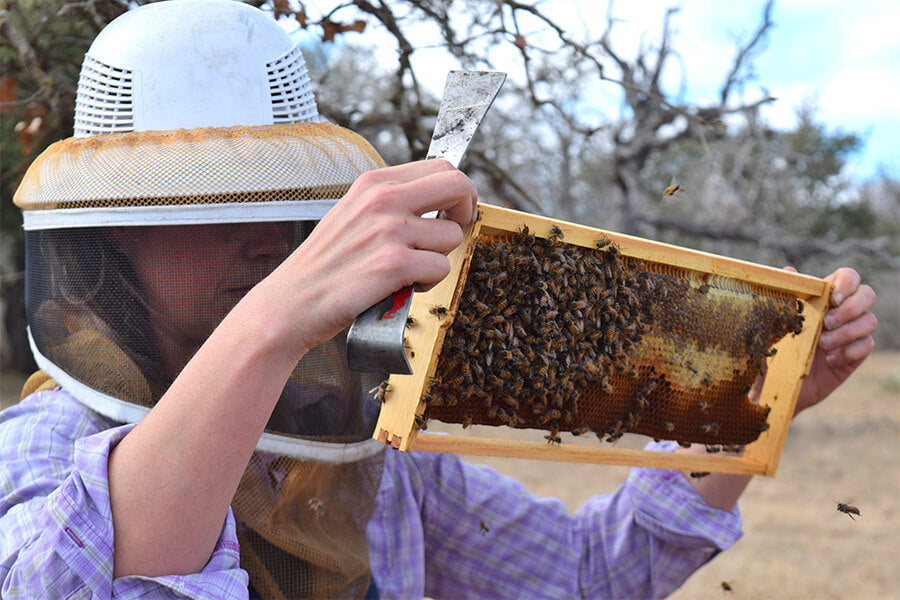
[[744, 189]]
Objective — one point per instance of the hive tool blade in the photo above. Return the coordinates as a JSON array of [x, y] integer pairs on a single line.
[[375, 339]]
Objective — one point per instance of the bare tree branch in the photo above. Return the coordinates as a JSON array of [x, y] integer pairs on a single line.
[[745, 52]]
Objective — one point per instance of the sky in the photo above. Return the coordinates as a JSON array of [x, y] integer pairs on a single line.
[[842, 57]]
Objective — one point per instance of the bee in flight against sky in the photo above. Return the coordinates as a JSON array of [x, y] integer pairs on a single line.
[[673, 190], [848, 509]]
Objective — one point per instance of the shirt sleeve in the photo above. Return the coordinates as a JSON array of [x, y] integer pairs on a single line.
[[56, 534], [486, 536]]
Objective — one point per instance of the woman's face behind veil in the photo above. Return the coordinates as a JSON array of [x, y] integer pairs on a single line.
[[192, 275]]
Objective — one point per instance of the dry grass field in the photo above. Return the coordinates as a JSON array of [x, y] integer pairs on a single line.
[[796, 544]]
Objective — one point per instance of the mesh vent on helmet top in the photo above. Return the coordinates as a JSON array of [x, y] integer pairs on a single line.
[[104, 100], [291, 92]]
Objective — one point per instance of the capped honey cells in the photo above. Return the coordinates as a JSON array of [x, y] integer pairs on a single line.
[[575, 340]]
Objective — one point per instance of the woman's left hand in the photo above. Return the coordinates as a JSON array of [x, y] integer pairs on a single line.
[[846, 340]]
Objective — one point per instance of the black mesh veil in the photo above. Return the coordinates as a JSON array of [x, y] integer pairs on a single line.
[[126, 332]]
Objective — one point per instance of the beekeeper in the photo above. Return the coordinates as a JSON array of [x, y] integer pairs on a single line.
[[194, 430]]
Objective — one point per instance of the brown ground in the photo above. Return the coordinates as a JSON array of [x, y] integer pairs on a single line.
[[795, 545]]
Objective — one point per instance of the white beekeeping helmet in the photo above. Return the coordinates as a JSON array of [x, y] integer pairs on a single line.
[[150, 69]]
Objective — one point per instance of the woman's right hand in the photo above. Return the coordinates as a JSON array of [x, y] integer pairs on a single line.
[[371, 244]]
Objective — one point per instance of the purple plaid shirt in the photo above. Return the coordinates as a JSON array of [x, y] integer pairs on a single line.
[[425, 535]]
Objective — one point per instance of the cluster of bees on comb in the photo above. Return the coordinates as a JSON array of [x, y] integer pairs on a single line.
[[554, 336]]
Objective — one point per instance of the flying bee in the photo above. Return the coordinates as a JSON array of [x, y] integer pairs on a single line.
[[481, 524], [699, 474], [726, 585], [673, 189], [379, 392], [848, 509]]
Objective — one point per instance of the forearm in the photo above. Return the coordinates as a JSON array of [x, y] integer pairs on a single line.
[[173, 477], [718, 490]]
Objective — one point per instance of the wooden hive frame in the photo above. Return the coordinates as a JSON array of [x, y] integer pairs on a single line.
[[397, 426]]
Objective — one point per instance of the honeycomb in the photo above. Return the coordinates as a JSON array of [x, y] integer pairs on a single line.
[[564, 338]]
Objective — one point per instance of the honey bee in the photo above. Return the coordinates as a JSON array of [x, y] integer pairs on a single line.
[[642, 400], [467, 421], [556, 234], [669, 426], [410, 321], [703, 405], [699, 474], [847, 509], [703, 288], [317, 507], [581, 430], [379, 392], [481, 524], [710, 428], [421, 423], [726, 585], [673, 190], [633, 421], [438, 311], [614, 437]]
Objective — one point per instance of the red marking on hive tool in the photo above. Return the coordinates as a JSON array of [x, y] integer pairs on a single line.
[[399, 298]]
